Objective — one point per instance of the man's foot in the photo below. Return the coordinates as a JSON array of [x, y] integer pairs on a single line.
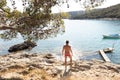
[[70, 66], [65, 67], [70, 63]]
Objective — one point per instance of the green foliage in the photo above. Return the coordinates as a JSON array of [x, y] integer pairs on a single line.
[[3, 3], [15, 14], [110, 12], [37, 21], [7, 10], [64, 15]]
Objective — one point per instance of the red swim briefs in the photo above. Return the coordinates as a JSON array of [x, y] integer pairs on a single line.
[[67, 54]]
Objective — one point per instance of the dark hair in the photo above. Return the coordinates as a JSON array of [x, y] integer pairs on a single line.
[[67, 41]]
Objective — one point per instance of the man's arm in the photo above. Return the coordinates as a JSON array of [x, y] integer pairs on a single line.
[[63, 51], [71, 51]]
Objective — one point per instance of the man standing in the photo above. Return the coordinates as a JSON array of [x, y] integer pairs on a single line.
[[67, 52]]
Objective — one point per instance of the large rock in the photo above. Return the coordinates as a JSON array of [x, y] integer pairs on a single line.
[[22, 46]]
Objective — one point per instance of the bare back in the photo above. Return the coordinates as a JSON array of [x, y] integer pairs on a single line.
[[67, 48]]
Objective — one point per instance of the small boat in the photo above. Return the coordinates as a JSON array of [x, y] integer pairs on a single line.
[[112, 36], [108, 50]]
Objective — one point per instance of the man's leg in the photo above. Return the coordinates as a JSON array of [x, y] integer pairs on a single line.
[[65, 61], [70, 61]]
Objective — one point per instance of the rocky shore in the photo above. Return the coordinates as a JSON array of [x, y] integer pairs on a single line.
[[33, 66]]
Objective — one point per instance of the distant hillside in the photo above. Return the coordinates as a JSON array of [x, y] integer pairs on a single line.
[[110, 12], [70, 15], [73, 14]]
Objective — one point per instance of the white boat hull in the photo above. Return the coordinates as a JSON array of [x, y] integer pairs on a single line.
[[107, 50], [113, 36]]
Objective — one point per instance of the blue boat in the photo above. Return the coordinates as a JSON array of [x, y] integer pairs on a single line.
[[112, 36]]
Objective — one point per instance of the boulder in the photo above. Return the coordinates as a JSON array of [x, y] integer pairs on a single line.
[[22, 46], [48, 56]]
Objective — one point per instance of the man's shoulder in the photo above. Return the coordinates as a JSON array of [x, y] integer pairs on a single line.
[[66, 46]]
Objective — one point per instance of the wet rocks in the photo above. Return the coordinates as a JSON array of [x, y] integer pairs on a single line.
[[34, 65], [28, 55], [24, 72], [28, 66], [50, 61], [114, 69], [15, 66], [22, 46], [48, 56], [13, 78]]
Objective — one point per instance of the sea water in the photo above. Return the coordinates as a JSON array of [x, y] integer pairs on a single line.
[[85, 36]]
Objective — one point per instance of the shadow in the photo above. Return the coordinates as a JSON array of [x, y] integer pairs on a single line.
[[66, 72], [10, 78]]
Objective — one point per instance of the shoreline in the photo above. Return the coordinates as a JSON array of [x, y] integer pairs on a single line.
[[35, 66], [98, 19], [109, 19]]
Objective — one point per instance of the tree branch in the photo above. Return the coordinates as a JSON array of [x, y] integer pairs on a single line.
[[5, 11], [6, 27]]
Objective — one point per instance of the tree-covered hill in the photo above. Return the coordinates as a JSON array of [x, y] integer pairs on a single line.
[[110, 12], [70, 15], [73, 14]]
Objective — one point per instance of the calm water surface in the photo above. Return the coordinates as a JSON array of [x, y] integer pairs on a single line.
[[85, 37]]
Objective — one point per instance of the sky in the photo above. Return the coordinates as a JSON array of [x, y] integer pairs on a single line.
[[76, 6], [73, 6]]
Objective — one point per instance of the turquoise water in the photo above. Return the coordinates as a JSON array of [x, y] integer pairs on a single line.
[[85, 37]]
